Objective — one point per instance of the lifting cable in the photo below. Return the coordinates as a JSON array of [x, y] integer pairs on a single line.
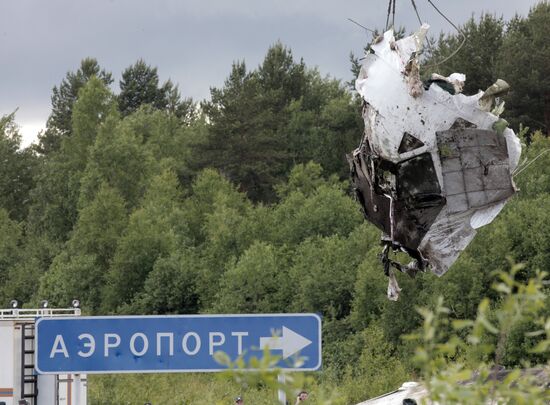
[[421, 22], [391, 11]]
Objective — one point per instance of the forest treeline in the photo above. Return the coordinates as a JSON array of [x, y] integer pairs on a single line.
[[141, 201]]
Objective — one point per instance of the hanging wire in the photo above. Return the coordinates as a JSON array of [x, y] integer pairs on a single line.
[[391, 11], [362, 26], [393, 16], [388, 15], [456, 28], [416, 11], [525, 166]]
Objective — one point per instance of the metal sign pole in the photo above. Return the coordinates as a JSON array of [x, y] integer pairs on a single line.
[[281, 394], [77, 389]]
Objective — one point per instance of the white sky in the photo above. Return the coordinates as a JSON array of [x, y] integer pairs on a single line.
[[193, 42]]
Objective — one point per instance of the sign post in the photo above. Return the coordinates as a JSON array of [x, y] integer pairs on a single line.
[[180, 343], [281, 394]]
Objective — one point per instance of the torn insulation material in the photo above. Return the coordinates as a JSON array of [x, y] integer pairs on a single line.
[[434, 164]]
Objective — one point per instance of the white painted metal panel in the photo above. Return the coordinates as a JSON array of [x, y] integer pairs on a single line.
[[7, 362]]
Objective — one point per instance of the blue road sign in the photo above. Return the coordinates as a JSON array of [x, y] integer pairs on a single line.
[[181, 343]]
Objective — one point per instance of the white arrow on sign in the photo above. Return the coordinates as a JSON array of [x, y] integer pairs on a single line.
[[290, 343]]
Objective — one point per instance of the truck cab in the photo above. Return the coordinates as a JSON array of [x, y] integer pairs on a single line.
[[20, 383]]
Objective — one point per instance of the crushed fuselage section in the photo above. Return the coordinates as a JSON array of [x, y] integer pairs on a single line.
[[431, 167]]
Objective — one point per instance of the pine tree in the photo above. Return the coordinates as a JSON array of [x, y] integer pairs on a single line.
[[59, 125], [524, 63], [140, 86]]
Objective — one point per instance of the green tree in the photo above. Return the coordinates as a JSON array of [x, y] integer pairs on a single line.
[[118, 158], [240, 142], [79, 271], [281, 78], [477, 58], [342, 129], [54, 200], [257, 283], [523, 62], [207, 189], [157, 229], [324, 272], [170, 288], [264, 121], [100, 225], [218, 216], [451, 352], [64, 96], [17, 170], [10, 251], [164, 136], [324, 125], [369, 298], [372, 360], [327, 211], [533, 178], [140, 86]]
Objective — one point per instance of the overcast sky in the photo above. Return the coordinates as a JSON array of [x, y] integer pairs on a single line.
[[193, 42]]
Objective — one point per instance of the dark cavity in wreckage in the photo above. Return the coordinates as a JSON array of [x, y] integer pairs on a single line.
[[434, 164]]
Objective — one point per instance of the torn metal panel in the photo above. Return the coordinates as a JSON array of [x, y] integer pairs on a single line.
[[489, 97], [434, 164], [409, 143]]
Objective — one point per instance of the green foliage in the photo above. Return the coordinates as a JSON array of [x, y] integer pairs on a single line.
[[155, 230], [71, 277], [140, 86], [257, 283], [525, 44], [164, 136], [208, 188], [59, 124], [459, 359], [10, 238], [531, 177], [184, 389], [328, 210], [95, 102], [79, 270], [100, 225], [323, 275], [373, 361], [265, 121], [170, 287], [477, 59], [53, 209], [303, 178], [242, 140], [273, 379], [119, 159], [369, 298], [17, 170]]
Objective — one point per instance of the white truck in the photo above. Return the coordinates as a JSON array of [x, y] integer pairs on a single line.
[[20, 384]]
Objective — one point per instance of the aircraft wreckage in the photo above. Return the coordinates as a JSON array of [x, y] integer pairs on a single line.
[[434, 164]]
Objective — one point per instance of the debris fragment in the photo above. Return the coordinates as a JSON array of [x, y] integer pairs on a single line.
[[434, 164], [393, 287]]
